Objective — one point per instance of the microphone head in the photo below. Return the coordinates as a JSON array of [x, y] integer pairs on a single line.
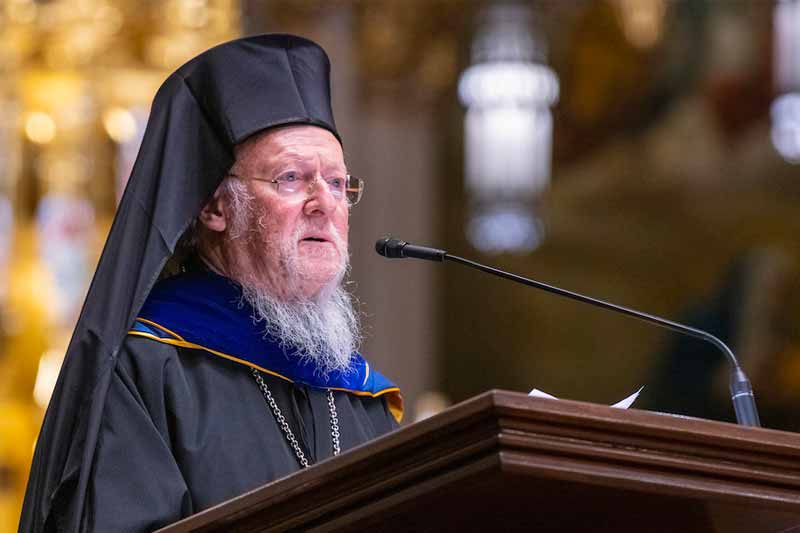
[[380, 246], [389, 247]]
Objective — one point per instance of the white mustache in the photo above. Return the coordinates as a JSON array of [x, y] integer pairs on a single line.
[[318, 252]]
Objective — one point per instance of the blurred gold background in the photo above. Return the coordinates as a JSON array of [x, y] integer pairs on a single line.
[[77, 80], [653, 164]]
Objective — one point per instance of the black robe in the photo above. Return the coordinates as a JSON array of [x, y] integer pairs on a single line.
[[183, 430]]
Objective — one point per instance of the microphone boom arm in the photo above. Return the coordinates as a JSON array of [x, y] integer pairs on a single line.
[[744, 403]]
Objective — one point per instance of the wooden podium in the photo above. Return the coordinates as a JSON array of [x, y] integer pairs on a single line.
[[506, 462]]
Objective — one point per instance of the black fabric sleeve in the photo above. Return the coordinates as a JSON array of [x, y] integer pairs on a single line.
[[136, 484]]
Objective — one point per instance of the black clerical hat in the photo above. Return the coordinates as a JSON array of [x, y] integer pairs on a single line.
[[199, 114], [257, 82]]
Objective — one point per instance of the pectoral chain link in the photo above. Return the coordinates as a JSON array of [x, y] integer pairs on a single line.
[[287, 431]]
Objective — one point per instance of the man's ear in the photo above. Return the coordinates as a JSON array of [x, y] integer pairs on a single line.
[[214, 214]]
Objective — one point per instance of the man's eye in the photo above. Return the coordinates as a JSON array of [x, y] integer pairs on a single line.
[[289, 177], [336, 183]]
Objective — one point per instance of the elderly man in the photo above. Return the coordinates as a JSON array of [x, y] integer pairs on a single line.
[[241, 367]]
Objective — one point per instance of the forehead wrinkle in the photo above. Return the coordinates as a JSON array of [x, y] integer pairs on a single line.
[[306, 159], [277, 148]]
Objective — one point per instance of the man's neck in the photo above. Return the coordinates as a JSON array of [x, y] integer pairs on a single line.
[[209, 264]]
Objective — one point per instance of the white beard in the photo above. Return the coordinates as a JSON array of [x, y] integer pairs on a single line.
[[324, 331]]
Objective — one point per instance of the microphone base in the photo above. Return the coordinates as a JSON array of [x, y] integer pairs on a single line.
[[744, 403]]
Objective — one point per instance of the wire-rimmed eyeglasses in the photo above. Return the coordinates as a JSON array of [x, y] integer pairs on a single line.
[[293, 185]]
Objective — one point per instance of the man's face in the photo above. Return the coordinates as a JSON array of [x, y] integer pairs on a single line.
[[293, 246]]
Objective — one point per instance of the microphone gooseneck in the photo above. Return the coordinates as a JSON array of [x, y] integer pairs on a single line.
[[741, 391]]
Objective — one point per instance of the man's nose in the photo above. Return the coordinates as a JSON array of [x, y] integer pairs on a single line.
[[320, 199]]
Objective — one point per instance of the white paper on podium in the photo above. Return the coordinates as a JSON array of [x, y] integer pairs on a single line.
[[622, 404]]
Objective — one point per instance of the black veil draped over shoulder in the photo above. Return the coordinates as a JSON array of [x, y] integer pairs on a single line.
[[199, 114]]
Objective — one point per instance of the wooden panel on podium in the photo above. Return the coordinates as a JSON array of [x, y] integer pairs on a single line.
[[504, 461]]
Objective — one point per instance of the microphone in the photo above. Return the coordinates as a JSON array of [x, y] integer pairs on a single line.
[[394, 248], [744, 403]]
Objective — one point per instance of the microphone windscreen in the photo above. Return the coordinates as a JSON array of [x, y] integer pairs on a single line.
[[380, 246], [389, 247]]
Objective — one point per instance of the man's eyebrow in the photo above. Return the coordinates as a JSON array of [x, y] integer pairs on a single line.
[[292, 157]]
